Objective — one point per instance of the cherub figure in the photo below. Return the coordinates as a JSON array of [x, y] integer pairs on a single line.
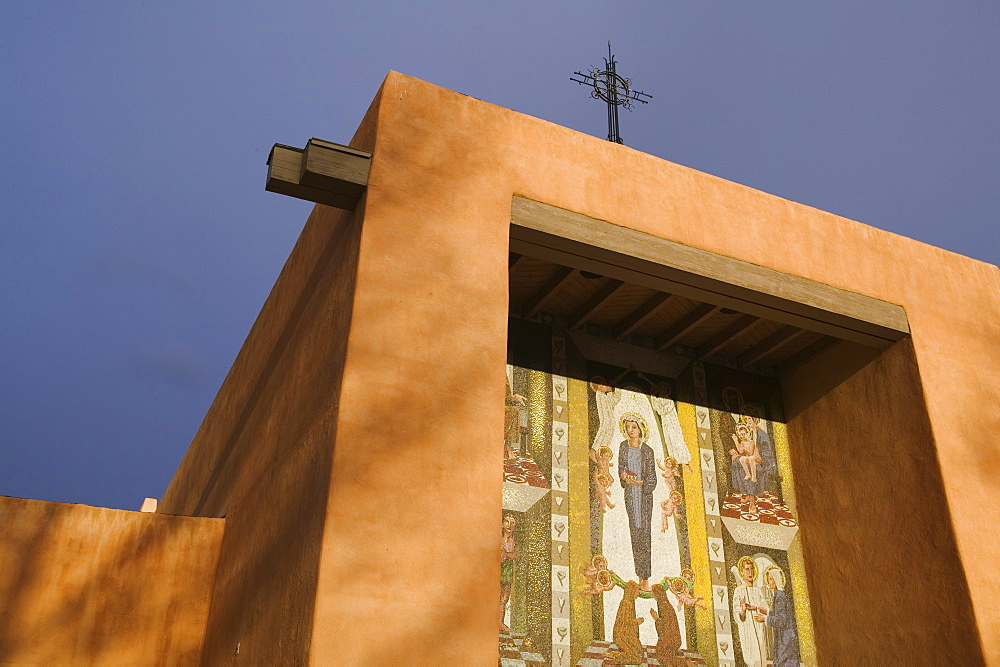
[[683, 588], [597, 575], [671, 507], [671, 471], [749, 455], [603, 480]]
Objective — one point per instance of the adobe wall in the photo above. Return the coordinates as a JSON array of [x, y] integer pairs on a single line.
[[86, 585], [409, 553], [262, 456]]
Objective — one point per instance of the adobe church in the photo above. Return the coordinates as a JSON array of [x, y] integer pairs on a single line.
[[523, 396]]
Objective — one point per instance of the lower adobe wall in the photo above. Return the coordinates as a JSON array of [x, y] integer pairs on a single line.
[[85, 584]]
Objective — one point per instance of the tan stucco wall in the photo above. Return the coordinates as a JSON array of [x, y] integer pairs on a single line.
[[372, 461], [263, 453], [87, 585], [409, 553]]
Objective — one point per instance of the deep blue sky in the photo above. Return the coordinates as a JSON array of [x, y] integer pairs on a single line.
[[137, 243]]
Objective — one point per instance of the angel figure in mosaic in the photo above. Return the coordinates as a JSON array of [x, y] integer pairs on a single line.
[[603, 480], [683, 589], [597, 575], [671, 471], [749, 613], [671, 507]]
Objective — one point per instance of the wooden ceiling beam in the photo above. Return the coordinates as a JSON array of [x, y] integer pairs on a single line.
[[721, 339], [539, 298], [808, 352], [639, 316], [573, 239], [594, 303], [512, 260], [684, 325], [772, 343]]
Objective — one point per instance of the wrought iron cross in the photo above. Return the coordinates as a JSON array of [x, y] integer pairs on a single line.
[[614, 89]]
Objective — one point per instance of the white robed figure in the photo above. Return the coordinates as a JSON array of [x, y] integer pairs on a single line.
[[750, 605], [616, 535]]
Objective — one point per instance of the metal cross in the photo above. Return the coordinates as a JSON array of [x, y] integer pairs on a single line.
[[614, 89]]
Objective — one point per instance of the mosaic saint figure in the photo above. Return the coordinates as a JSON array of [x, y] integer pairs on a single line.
[[668, 633], [749, 612], [768, 469], [508, 554], [781, 620], [637, 472], [626, 633]]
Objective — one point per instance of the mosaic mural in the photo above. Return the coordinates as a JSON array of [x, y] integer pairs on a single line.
[[649, 512]]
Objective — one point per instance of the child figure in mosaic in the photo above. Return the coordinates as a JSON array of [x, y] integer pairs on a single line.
[[602, 476], [683, 588], [671, 471], [749, 455], [671, 507], [597, 575]]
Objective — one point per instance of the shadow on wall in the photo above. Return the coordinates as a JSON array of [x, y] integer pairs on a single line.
[[84, 584], [885, 575]]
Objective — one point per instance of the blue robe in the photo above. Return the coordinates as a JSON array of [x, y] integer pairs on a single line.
[[639, 503], [781, 617]]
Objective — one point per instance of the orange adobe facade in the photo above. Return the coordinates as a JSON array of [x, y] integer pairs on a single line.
[[340, 503]]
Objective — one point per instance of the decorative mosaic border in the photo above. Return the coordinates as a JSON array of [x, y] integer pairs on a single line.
[[559, 498], [713, 523]]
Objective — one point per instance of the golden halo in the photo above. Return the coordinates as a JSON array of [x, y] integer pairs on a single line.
[[678, 585], [604, 479], [605, 451], [687, 571], [604, 579], [599, 562], [739, 567], [638, 419]]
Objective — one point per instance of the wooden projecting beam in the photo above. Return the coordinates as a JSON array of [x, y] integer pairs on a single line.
[[322, 172]]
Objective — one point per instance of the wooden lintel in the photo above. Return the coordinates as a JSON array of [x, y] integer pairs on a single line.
[[770, 344], [537, 300], [721, 339], [322, 172], [698, 315], [638, 317], [573, 239], [594, 303]]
